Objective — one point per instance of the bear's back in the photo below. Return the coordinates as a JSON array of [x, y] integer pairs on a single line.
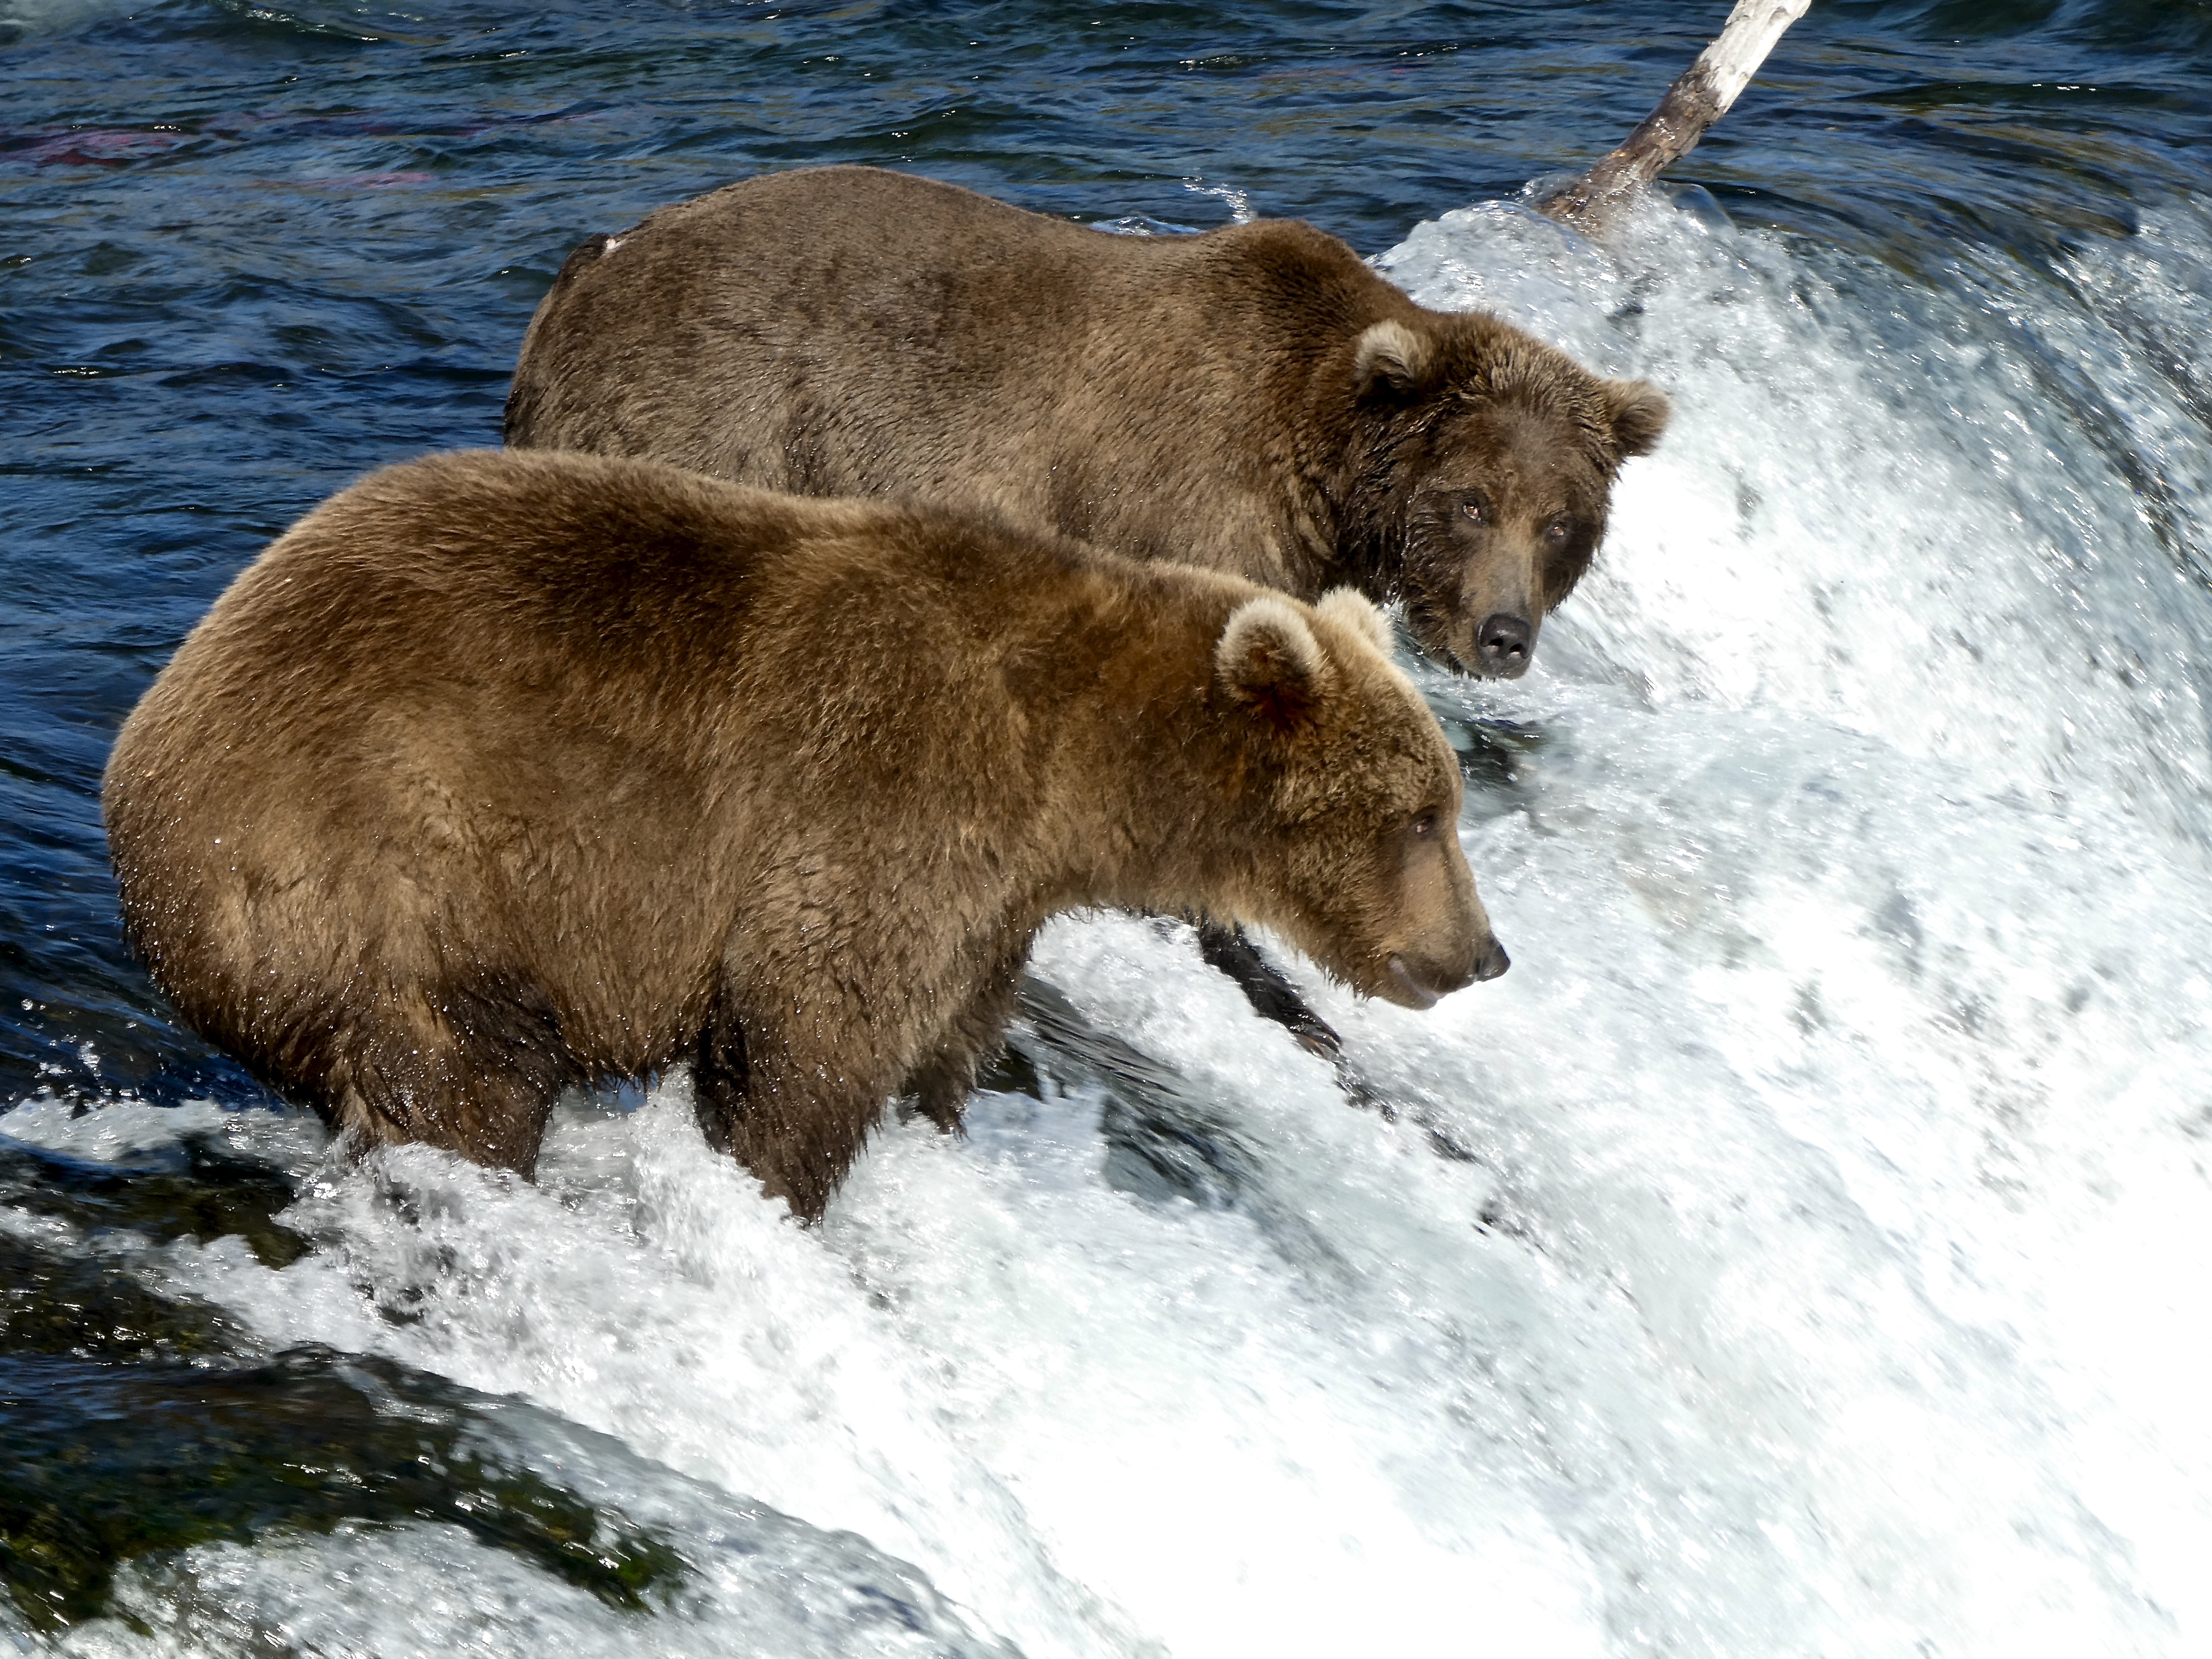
[[849, 331], [525, 594], [537, 634]]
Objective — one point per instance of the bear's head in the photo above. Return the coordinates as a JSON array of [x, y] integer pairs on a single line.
[[1352, 802], [1485, 476]]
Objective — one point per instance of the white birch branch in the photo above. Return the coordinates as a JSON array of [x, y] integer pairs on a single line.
[[1700, 98]]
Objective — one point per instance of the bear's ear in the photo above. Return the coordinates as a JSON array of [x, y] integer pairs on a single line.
[[1391, 359], [1269, 660], [1348, 607], [1638, 412]]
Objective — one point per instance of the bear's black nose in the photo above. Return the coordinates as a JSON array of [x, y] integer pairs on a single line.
[[1492, 962], [1501, 645]]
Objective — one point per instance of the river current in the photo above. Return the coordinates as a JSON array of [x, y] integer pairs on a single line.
[[1802, 1251]]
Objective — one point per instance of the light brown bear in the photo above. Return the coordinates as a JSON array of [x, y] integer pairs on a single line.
[[1254, 400], [499, 773]]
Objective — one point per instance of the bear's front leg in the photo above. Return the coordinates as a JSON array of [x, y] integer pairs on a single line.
[[790, 1089], [806, 1117], [940, 1086], [473, 1067], [720, 1075], [1272, 996]]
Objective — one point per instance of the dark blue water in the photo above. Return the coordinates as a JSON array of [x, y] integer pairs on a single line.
[[251, 252]]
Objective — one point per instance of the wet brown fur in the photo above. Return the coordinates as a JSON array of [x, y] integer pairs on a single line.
[[1254, 400], [500, 772]]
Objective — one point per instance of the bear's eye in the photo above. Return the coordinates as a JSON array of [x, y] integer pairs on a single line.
[[1472, 507], [1424, 825], [1557, 531]]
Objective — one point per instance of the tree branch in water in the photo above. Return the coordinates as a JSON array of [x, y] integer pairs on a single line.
[[1697, 99]]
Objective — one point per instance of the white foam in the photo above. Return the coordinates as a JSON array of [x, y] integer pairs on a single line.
[[432, 1591], [125, 1131]]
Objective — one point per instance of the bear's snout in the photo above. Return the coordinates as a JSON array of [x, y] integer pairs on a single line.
[[1444, 941], [1422, 982], [1503, 645]]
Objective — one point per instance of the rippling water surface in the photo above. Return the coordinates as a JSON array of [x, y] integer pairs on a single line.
[[1802, 1251]]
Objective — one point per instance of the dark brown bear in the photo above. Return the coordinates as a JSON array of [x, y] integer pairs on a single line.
[[1255, 399], [499, 773]]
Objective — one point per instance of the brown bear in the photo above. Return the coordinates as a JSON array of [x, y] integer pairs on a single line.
[[499, 773], [1255, 399]]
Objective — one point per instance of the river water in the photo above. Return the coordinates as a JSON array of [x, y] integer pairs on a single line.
[[1802, 1251]]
